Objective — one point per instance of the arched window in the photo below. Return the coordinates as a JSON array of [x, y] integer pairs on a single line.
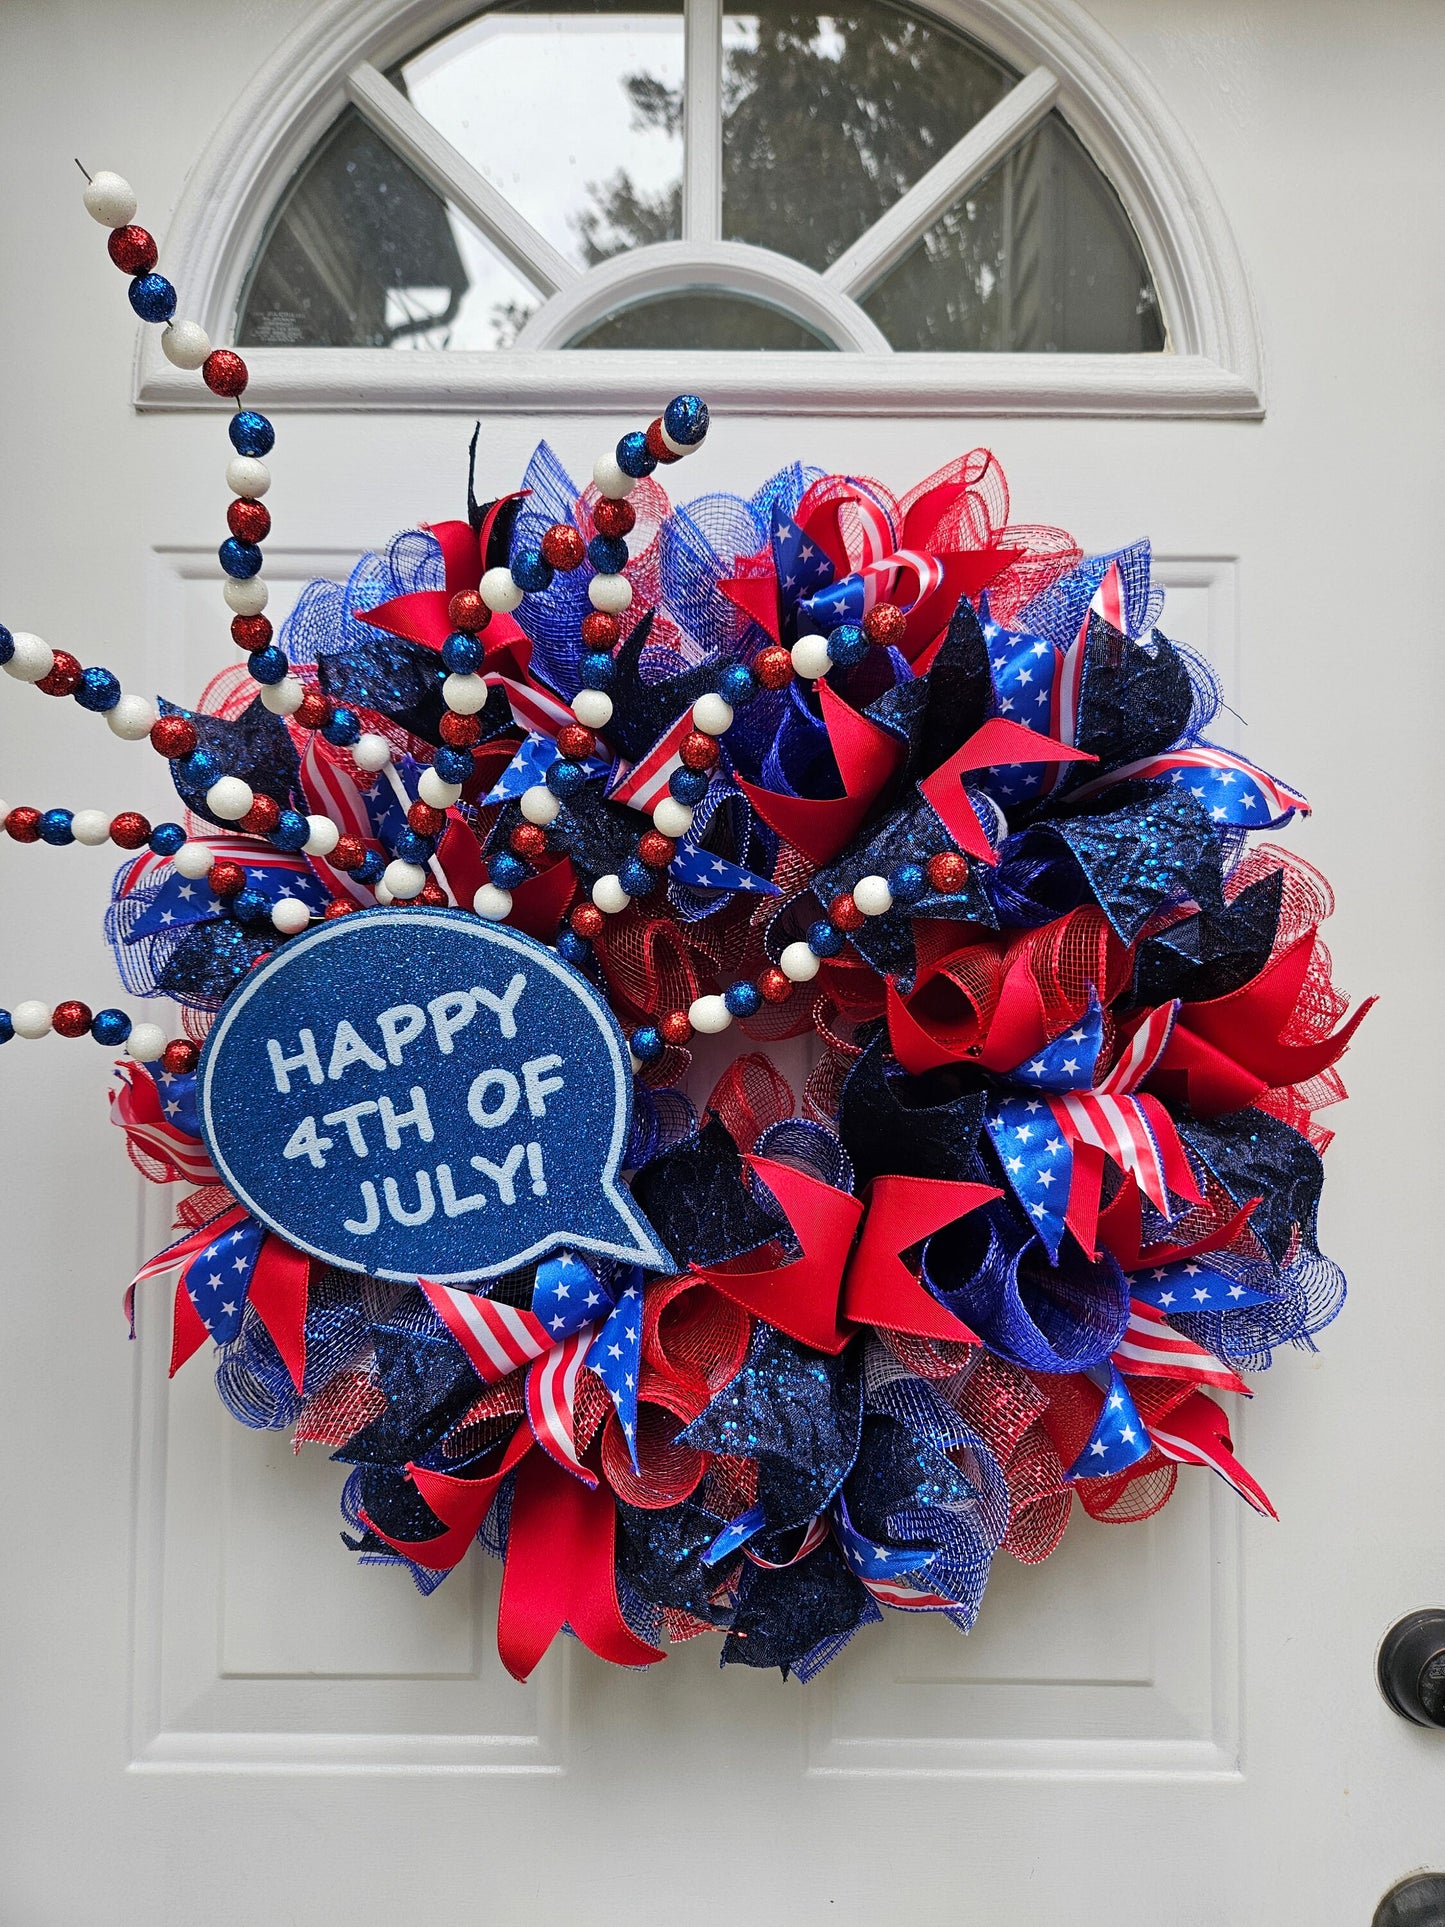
[[904, 205]]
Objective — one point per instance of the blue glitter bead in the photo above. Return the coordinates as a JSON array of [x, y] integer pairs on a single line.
[[506, 870], [635, 877], [7, 645], [251, 434], [7, 1028], [743, 998], [686, 419], [291, 831], [607, 554], [412, 847], [98, 690], [571, 948], [250, 906], [908, 882], [462, 654], [268, 665], [633, 457], [200, 769], [167, 838], [371, 868], [531, 571], [847, 644], [55, 828], [238, 558], [824, 940], [565, 778], [688, 785], [343, 729], [110, 1027], [153, 297], [597, 670], [452, 765], [647, 1044], [737, 685]]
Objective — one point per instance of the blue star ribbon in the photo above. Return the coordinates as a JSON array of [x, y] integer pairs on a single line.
[[870, 1559], [217, 1279], [1118, 1439], [1037, 1161], [567, 1294], [177, 1094], [701, 870], [616, 1357], [182, 900], [1188, 1285], [1069, 1062]]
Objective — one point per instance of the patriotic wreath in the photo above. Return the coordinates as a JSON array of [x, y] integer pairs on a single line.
[[900, 775]]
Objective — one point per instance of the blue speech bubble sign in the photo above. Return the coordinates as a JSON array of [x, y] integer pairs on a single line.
[[416, 1093]]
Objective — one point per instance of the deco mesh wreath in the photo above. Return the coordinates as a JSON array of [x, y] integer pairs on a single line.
[[900, 773]]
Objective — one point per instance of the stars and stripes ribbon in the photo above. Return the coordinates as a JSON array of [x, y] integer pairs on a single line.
[[330, 792], [1232, 792], [1118, 1439], [1196, 1432], [157, 1112], [1142, 1049], [533, 708], [551, 1388], [616, 1357], [217, 1278], [181, 901], [497, 1339], [643, 784], [887, 1571], [1151, 1348], [527, 768]]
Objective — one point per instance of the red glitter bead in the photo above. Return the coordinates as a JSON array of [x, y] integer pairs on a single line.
[[600, 630], [528, 840], [676, 1027], [349, 854], [227, 879], [657, 448], [432, 894], [884, 625], [262, 817], [698, 751], [71, 1019], [775, 987], [249, 521], [467, 612], [129, 830], [425, 820], [576, 742], [338, 907], [656, 850], [844, 913], [459, 732], [132, 250], [224, 372], [173, 736], [613, 515], [587, 921], [180, 1057], [314, 711], [948, 872], [774, 667], [563, 547], [23, 824], [251, 632], [63, 678]]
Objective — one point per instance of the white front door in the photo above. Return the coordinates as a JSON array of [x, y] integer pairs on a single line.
[[210, 1712]]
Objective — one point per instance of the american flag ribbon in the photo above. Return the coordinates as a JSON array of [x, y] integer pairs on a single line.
[[497, 1339], [139, 1108], [814, 1534], [1231, 790], [1119, 1128], [174, 1256], [1151, 1348], [643, 784], [550, 1391], [330, 792], [1197, 1433], [1141, 1052], [533, 709]]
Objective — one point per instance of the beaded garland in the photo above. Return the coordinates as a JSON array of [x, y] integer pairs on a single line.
[[928, 786]]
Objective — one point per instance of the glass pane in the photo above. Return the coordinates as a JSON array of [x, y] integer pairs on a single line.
[[573, 112], [1038, 257], [362, 254], [701, 318], [829, 118]]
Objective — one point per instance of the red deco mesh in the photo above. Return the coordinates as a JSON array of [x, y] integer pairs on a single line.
[[668, 1469], [935, 1358], [693, 1337], [1039, 1503], [201, 1206], [731, 1485], [1068, 959], [490, 1416], [751, 1094], [337, 1410]]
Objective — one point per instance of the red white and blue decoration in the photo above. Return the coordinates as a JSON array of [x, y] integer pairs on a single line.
[[472, 853]]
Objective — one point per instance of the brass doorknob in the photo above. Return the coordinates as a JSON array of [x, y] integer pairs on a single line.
[[1411, 1667]]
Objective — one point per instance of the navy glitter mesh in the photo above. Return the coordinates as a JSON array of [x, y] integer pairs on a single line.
[[1255, 1155], [799, 1618], [255, 746], [695, 1199]]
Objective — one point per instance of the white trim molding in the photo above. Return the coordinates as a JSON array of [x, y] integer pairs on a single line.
[[1212, 367]]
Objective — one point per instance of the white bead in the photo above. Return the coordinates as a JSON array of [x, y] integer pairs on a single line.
[[192, 860], [31, 1019], [679, 448], [434, 792], [611, 480], [91, 827], [709, 1015], [539, 805], [403, 879], [610, 593], [798, 964], [110, 199], [32, 659], [811, 658], [229, 798], [283, 698], [592, 707], [872, 896], [381, 893], [500, 592], [248, 597], [246, 476], [290, 915], [465, 695], [145, 1043], [609, 895], [672, 818], [185, 344], [493, 903], [634, 1060], [324, 836], [371, 753], [132, 719], [713, 715]]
